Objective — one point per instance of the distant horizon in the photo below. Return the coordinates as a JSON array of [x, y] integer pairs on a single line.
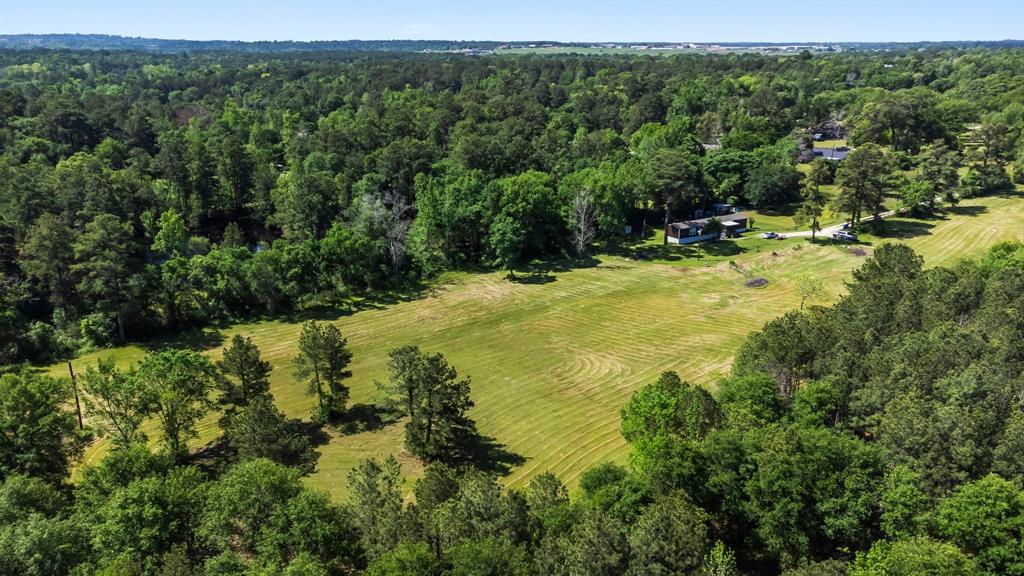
[[517, 41], [569, 21]]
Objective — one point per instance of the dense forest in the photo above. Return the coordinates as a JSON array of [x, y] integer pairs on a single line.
[[148, 194]]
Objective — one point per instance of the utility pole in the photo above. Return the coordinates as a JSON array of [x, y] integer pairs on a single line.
[[78, 403]]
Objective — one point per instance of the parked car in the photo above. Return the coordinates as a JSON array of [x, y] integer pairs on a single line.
[[769, 235], [845, 236]]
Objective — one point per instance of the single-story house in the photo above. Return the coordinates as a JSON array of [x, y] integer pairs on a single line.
[[690, 231]]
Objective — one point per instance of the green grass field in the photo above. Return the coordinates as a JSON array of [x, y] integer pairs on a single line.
[[830, 143], [553, 361]]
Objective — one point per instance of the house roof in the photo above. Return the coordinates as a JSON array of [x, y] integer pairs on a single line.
[[830, 153], [725, 219]]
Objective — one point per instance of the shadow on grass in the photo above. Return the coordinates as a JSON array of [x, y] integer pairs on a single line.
[[967, 210], [214, 457], [487, 454], [640, 250], [546, 271], [366, 418], [904, 229], [536, 277], [782, 210], [217, 456], [358, 303], [198, 339], [668, 252], [722, 249], [312, 431]]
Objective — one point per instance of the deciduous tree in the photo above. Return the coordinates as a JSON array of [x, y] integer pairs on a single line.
[[181, 382], [677, 179], [120, 399], [584, 224], [39, 433]]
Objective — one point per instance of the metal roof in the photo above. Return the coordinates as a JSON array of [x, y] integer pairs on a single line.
[[724, 219]]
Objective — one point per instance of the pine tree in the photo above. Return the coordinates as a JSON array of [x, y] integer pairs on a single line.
[[322, 362], [247, 373]]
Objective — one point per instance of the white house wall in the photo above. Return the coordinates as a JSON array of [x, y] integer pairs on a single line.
[[701, 238]]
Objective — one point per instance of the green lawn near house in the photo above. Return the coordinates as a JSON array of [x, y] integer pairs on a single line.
[[836, 143], [780, 218]]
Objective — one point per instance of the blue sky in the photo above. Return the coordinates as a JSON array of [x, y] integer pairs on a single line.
[[563, 20]]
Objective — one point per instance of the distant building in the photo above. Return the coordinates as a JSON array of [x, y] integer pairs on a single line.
[[831, 153]]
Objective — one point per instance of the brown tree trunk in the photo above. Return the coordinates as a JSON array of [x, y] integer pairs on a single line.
[[319, 393], [668, 216], [120, 327]]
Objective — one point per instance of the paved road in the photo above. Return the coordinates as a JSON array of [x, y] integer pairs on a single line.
[[824, 232]]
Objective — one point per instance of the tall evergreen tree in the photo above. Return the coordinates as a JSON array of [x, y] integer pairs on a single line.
[[47, 257], [247, 374], [435, 400], [323, 363], [864, 181], [105, 255]]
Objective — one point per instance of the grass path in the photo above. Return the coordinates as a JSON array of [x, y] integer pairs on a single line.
[[552, 363]]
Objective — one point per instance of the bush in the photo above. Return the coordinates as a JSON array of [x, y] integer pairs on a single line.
[[47, 343], [97, 329], [984, 180], [912, 557], [1018, 169]]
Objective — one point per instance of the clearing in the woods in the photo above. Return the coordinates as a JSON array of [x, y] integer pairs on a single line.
[[553, 359]]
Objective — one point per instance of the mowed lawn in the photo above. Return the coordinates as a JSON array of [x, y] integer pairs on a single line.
[[553, 362]]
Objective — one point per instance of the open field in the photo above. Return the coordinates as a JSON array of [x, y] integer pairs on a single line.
[[553, 360], [967, 230]]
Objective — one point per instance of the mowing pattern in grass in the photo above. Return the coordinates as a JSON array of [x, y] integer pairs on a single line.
[[969, 229], [553, 362]]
